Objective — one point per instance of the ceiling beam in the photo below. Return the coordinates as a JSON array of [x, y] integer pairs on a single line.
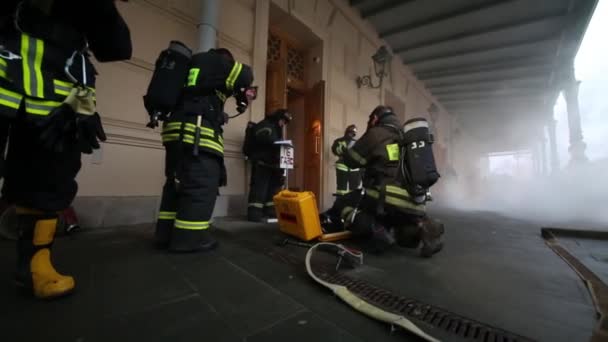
[[491, 96], [487, 81], [441, 17], [491, 101], [522, 70], [458, 91], [504, 64], [478, 32], [533, 82], [387, 6], [411, 62]]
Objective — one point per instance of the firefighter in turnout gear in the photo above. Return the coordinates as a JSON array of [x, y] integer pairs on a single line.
[[266, 175], [385, 212], [194, 160], [347, 179], [48, 115]]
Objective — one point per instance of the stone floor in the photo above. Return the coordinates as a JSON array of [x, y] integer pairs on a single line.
[[493, 269]]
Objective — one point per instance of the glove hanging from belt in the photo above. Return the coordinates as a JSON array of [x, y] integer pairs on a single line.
[[74, 123]]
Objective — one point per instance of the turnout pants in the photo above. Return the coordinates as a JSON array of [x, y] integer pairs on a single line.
[[266, 182], [188, 199], [347, 179], [40, 183], [359, 214], [35, 177]]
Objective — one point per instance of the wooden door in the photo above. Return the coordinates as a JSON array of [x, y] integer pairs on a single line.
[[276, 85], [315, 106]]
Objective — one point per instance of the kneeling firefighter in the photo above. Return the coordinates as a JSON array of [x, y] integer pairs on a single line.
[[47, 87], [192, 136], [266, 175], [399, 170]]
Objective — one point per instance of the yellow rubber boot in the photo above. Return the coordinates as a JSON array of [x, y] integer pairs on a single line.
[[46, 282], [35, 269]]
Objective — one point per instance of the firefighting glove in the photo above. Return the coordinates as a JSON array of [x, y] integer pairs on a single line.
[[57, 131], [88, 130], [88, 126]]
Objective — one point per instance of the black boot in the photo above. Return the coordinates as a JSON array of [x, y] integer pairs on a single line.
[[162, 235], [382, 238], [270, 212], [255, 215], [431, 236], [190, 241], [408, 234]]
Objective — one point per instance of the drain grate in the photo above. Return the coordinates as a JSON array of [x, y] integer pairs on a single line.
[[439, 318], [415, 310]]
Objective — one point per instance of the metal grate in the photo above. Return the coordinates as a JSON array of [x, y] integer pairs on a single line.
[[439, 318]]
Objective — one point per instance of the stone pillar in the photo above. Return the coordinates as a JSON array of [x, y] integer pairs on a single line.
[[553, 156], [577, 145], [207, 27], [543, 156]]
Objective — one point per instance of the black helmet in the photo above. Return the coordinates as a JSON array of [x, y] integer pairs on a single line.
[[351, 130], [281, 114], [382, 111]]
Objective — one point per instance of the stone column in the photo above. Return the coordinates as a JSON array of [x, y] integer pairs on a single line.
[[553, 156], [577, 145]]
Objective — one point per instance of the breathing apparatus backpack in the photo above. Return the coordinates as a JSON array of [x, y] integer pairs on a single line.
[[249, 139], [417, 168], [170, 75]]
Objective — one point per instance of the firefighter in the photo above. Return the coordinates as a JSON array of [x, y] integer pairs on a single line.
[[194, 159], [347, 179], [266, 175], [47, 86], [385, 212]]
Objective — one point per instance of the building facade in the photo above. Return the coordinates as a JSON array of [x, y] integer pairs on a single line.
[[306, 55]]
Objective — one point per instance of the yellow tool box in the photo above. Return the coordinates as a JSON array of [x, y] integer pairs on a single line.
[[298, 216]]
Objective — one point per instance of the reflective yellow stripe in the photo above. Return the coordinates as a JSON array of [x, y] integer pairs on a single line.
[[356, 156], [38, 68], [205, 143], [212, 145], [170, 137], [269, 204], [191, 225], [204, 130], [234, 74], [397, 202], [10, 98], [2, 68], [221, 95], [64, 88], [193, 76], [342, 192], [166, 215], [40, 107], [189, 127], [393, 152], [346, 213], [342, 167], [32, 50], [397, 190], [256, 205]]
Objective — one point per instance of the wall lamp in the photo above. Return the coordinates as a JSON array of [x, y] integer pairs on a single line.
[[382, 59]]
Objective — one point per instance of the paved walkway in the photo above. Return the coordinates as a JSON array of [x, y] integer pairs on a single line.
[[493, 269]]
